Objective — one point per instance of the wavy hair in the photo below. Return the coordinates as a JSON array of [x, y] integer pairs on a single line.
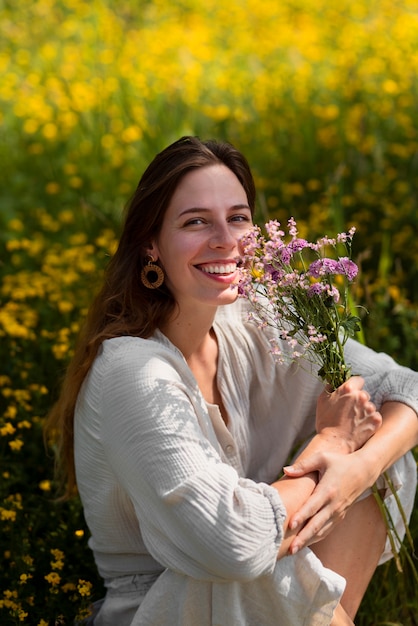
[[124, 306]]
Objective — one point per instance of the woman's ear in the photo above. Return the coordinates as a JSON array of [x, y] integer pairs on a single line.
[[151, 250]]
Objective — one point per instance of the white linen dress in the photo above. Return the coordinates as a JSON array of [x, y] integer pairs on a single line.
[[185, 527]]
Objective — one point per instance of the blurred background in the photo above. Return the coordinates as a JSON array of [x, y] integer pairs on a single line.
[[321, 97]]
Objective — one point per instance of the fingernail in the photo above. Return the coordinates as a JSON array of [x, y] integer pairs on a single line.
[[289, 468], [294, 524], [293, 469], [294, 549]]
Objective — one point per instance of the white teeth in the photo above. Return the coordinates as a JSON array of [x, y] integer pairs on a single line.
[[219, 269]]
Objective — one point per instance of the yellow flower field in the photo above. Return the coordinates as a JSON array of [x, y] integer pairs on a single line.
[[322, 98]]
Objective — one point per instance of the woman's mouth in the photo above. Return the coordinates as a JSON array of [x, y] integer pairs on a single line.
[[218, 268]]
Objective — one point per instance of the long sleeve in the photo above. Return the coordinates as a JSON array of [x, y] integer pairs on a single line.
[[156, 480], [197, 516], [165, 485], [385, 379]]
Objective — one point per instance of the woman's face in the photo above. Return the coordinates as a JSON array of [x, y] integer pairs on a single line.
[[197, 245]]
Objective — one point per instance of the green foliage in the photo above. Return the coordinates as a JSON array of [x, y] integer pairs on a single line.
[[321, 97], [391, 596]]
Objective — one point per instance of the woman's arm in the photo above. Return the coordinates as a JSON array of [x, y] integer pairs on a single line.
[[398, 435], [344, 477], [346, 419]]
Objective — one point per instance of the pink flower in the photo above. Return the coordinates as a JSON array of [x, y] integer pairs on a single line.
[[317, 289], [321, 267], [347, 267]]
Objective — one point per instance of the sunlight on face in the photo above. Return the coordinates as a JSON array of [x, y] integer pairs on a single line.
[[197, 245]]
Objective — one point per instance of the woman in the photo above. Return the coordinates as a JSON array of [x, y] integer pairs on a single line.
[[176, 423]]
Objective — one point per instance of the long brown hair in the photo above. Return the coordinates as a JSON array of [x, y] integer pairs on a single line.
[[124, 306]]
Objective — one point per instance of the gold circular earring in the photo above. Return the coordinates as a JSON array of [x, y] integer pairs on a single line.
[[152, 276]]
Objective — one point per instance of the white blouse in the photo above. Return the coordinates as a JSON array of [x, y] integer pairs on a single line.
[[165, 485]]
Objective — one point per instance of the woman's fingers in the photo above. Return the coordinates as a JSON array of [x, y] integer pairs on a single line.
[[348, 414], [338, 487]]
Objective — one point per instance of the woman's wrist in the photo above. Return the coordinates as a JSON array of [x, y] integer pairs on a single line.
[[328, 440], [334, 440], [370, 465]]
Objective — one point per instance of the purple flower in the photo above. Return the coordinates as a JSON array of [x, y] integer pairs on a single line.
[[273, 229], [287, 251], [286, 255], [317, 289], [346, 237], [333, 293], [347, 267], [296, 245], [321, 267], [304, 305], [274, 272], [324, 291], [292, 226]]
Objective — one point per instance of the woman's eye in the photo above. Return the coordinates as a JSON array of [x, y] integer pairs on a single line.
[[196, 221], [240, 218]]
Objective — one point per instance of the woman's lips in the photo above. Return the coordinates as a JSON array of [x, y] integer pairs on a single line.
[[218, 268]]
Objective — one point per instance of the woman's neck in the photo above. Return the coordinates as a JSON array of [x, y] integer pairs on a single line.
[[190, 333], [196, 339]]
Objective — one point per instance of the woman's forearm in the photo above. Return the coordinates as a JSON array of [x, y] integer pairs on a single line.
[[397, 435], [294, 492], [344, 476]]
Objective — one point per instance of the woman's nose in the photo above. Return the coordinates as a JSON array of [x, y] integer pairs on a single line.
[[222, 237]]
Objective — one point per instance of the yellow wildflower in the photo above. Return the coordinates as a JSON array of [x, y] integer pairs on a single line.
[[76, 182], [66, 217], [7, 429], [52, 188], [53, 578], [65, 307], [24, 578], [22, 615], [84, 587], [16, 224], [16, 444], [57, 553], [7, 515], [10, 412], [59, 556]]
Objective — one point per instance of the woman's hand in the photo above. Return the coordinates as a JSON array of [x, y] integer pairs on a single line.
[[342, 479], [345, 421], [347, 417]]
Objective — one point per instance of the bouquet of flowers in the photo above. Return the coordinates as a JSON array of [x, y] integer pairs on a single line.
[[301, 288], [306, 287]]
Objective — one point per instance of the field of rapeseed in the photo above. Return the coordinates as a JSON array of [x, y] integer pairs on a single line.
[[322, 97]]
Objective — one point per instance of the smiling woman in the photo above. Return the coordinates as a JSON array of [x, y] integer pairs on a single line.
[[176, 422], [198, 242]]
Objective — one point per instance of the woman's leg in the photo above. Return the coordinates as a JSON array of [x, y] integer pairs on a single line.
[[353, 550], [341, 618]]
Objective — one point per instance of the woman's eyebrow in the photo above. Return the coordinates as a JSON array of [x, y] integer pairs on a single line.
[[234, 207]]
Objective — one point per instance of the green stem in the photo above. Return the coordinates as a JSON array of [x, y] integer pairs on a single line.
[[401, 510], [391, 529]]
